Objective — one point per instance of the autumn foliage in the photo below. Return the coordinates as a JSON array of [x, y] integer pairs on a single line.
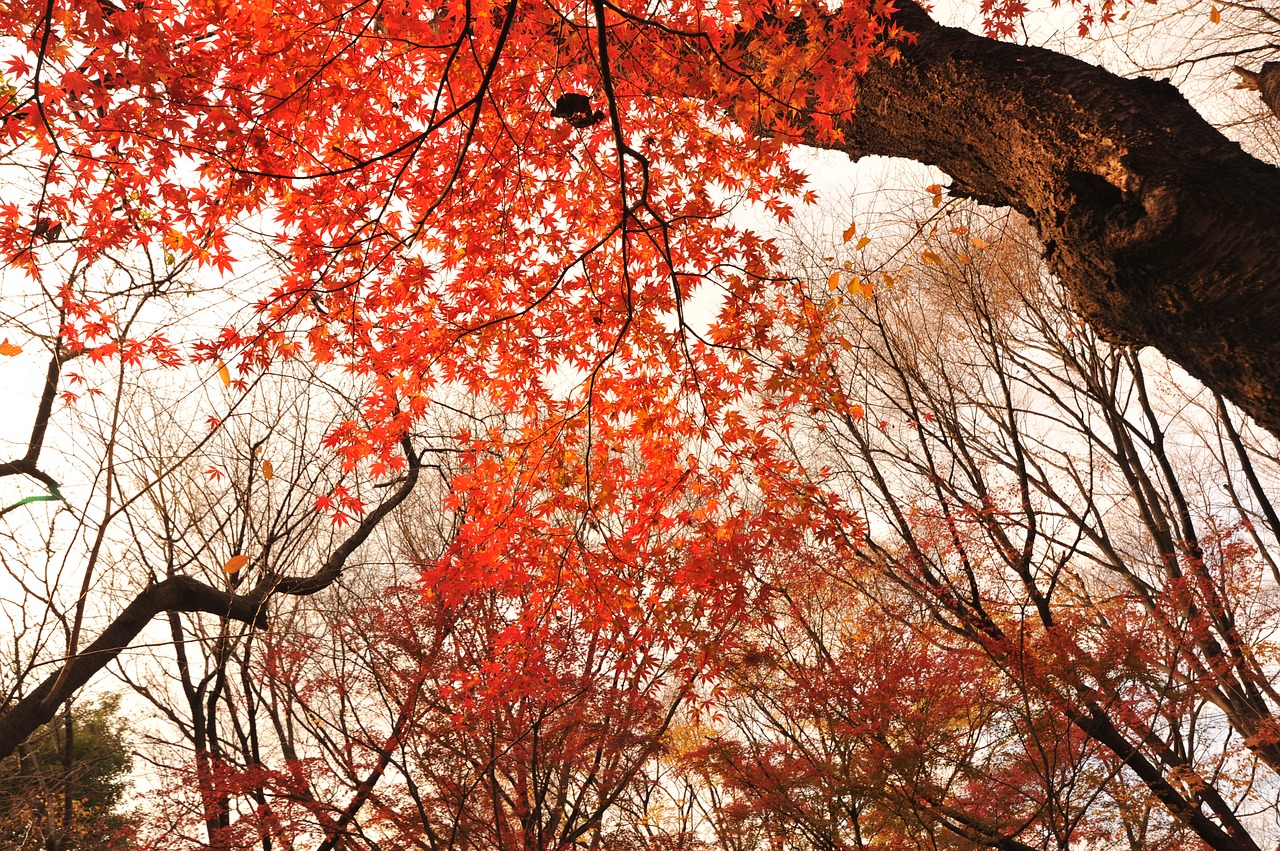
[[731, 551], [443, 233]]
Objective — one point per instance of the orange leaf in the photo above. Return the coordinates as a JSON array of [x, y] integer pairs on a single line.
[[862, 288], [979, 243], [234, 564], [850, 231], [857, 412], [9, 349], [267, 470], [834, 281], [931, 257], [1215, 15], [224, 374], [888, 279]]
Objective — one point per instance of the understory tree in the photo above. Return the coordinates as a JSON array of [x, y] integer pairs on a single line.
[[64, 789]]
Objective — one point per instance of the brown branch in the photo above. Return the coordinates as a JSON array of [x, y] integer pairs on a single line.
[[1230, 836], [184, 594], [1265, 82], [45, 409], [302, 586], [175, 594], [27, 467]]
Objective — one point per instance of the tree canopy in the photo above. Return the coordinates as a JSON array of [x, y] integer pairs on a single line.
[[303, 271]]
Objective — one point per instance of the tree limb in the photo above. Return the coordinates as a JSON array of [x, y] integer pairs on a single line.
[[302, 586], [175, 594], [1266, 82], [185, 594], [1163, 230]]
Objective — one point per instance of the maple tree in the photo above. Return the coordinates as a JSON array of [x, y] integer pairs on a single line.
[[438, 721], [471, 711], [511, 208], [415, 305]]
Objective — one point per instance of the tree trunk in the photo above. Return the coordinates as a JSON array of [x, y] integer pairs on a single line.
[[1165, 232]]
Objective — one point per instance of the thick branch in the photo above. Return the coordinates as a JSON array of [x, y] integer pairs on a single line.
[[1229, 837], [1164, 231], [28, 463], [25, 466], [45, 408], [176, 594], [1265, 82], [184, 594]]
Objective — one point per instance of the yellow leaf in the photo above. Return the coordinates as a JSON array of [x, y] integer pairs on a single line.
[[863, 243], [979, 243], [833, 281], [888, 279], [224, 374], [862, 288], [930, 257], [848, 265], [850, 231], [234, 564], [9, 349], [1215, 15], [267, 470]]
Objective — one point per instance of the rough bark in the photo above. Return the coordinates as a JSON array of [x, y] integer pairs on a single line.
[[1269, 86], [1266, 82], [1165, 232]]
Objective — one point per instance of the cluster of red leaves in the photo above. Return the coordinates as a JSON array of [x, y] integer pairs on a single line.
[[446, 236], [444, 233]]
